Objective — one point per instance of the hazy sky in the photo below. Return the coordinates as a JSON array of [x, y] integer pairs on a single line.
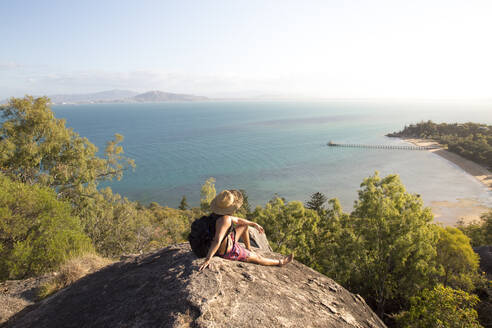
[[330, 49]]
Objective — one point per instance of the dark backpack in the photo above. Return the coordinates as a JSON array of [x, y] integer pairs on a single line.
[[202, 234]]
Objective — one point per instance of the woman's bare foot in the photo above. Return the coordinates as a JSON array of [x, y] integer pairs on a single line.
[[285, 260]]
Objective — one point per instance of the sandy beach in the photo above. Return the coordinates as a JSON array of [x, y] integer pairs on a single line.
[[448, 213]]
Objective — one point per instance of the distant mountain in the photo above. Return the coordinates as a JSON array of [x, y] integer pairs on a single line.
[[159, 96], [119, 96], [98, 97]]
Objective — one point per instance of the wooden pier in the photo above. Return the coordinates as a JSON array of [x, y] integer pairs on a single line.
[[402, 147]]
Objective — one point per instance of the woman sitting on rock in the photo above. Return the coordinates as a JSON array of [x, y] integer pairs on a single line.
[[224, 205]]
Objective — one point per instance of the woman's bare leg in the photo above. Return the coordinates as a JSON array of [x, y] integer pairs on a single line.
[[258, 259], [242, 232]]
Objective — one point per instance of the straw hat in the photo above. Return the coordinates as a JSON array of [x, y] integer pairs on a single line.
[[227, 202]]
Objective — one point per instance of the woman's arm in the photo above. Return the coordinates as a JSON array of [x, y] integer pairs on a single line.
[[221, 227], [241, 221]]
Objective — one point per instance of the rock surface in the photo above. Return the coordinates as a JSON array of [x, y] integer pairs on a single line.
[[164, 289], [259, 240], [17, 294]]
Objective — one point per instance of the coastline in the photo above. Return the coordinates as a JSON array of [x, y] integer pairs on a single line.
[[466, 209], [478, 171]]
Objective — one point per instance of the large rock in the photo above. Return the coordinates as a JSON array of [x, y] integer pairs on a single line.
[[17, 294], [164, 289], [259, 240]]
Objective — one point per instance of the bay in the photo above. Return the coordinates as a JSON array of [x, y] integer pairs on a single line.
[[269, 148]]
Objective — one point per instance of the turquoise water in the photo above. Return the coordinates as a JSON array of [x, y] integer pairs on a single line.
[[273, 147]]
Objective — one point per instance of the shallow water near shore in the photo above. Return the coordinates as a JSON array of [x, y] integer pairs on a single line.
[[274, 147]]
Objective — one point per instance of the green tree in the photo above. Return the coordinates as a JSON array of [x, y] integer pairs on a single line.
[[479, 232], [115, 225], [37, 231], [183, 205], [441, 307], [338, 247], [36, 147], [317, 202], [245, 210], [172, 225], [394, 239], [207, 194], [290, 228], [457, 261]]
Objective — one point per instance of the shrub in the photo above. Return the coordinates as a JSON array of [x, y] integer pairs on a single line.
[[441, 307], [37, 231], [457, 261]]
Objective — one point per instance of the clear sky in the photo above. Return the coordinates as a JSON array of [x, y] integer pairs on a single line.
[[329, 49]]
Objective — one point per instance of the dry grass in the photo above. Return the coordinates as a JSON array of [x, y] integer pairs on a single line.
[[71, 271]]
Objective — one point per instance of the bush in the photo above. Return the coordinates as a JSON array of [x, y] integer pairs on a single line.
[[172, 225], [390, 239], [457, 261], [441, 307], [37, 231], [479, 232], [290, 227]]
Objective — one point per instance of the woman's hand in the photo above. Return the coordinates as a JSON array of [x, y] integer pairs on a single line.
[[259, 228], [204, 265]]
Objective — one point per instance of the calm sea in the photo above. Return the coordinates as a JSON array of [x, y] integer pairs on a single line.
[[272, 148]]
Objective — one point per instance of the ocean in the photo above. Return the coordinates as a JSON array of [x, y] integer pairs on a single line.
[[274, 148]]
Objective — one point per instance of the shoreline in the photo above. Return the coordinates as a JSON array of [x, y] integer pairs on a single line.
[[466, 209], [479, 172]]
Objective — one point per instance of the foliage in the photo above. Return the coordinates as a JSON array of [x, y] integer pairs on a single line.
[[172, 225], [338, 249], [207, 194], [456, 259], [479, 232], [317, 202], [388, 250], [393, 229], [290, 228], [441, 307], [36, 147], [385, 249], [470, 140], [37, 231], [245, 210], [183, 205], [119, 226]]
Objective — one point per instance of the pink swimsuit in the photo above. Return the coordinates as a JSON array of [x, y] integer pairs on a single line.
[[237, 253]]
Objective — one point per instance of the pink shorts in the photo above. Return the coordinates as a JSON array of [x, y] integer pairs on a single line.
[[237, 253]]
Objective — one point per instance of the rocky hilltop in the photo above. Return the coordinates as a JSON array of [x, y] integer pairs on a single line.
[[159, 96], [164, 289]]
